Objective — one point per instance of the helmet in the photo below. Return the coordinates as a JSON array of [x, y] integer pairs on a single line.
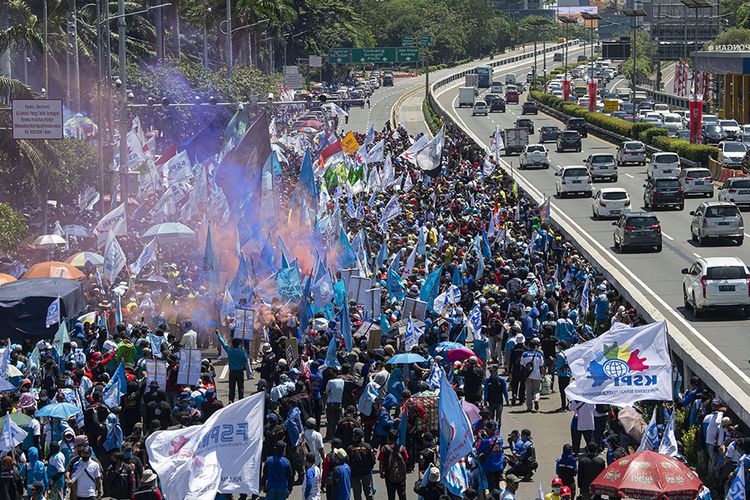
[[557, 482], [565, 491]]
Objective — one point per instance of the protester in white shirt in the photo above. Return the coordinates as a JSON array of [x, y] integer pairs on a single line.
[[314, 440], [535, 359], [190, 337], [582, 425], [85, 475]]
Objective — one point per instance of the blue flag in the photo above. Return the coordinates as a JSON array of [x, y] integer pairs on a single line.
[[307, 176], [322, 290], [396, 288], [339, 293], [421, 242], [155, 344], [402, 427], [458, 479], [289, 282], [53, 313], [384, 323], [456, 436], [368, 397], [346, 258], [382, 254], [293, 426], [241, 285], [115, 388], [346, 326], [486, 245], [431, 287], [456, 277], [243, 233], [650, 439], [737, 486], [209, 259], [331, 360]]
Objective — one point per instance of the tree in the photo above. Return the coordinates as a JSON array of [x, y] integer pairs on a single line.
[[734, 36], [645, 55], [13, 228]]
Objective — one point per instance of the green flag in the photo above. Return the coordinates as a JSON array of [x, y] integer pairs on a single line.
[[356, 174], [235, 130], [331, 178]]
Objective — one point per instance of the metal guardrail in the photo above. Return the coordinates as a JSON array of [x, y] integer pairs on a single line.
[[673, 101], [692, 359]]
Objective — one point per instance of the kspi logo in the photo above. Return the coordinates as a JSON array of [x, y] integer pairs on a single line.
[[619, 364]]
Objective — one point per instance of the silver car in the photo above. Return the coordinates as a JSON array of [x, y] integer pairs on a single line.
[[602, 166], [717, 219], [697, 180]]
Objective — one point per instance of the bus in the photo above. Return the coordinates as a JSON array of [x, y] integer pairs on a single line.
[[484, 75]]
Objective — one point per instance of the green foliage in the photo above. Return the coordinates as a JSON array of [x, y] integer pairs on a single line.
[[638, 128], [75, 167], [13, 228], [645, 55], [433, 121], [649, 135], [735, 35], [616, 125]]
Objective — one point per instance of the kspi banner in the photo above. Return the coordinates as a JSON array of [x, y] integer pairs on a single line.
[[622, 366]]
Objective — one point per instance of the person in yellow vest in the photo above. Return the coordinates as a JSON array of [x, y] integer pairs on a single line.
[[557, 485]]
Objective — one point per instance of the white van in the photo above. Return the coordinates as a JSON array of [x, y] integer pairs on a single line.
[[663, 165], [510, 78]]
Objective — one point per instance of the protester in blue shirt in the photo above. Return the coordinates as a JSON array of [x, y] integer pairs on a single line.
[[342, 475], [34, 470], [490, 452], [531, 323], [238, 362], [496, 394], [565, 329], [278, 477], [566, 468], [601, 309]]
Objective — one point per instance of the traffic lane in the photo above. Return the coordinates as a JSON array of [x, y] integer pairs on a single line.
[[661, 272]]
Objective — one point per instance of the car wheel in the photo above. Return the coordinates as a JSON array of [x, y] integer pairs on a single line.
[[614, 179], [739, 241], [646, 204], [701, 241], [681, 206], [579, 150], [697, 312], [617, 245], [693, 237], [658, 247], [685, 301], [711, 194]]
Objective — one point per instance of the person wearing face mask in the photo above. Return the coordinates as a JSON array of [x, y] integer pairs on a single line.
[[555, 493], [85, 476], [56, 472]]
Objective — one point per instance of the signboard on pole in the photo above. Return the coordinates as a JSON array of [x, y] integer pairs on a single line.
[[368, 55], [292, 78], [339, 56], [407, 54], [407, 41], [37, 119], [425, 41], [611, 105], [315, 61], [189, 372], [244, 323]]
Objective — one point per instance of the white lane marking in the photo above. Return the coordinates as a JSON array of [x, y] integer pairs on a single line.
[[630, 176], [667, 236], [531, 189], [696, 255], [224, 372], [748, 235]]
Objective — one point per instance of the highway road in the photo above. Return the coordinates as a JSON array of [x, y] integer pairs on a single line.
[[657, 274]]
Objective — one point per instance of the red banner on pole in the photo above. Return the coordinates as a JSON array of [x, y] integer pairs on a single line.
[[566, 87], [592, 95], [696, 117]]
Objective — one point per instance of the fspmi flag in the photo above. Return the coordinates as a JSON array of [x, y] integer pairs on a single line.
[[622, 366], [113, 221], [429, 157], [53, 313], [221, 456], [114, 258]]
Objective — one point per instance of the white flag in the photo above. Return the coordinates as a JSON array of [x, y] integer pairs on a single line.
[[408, 184], [410, 154], [497, 142], [622, 366], [178, 168], [429, 157], [223, 455], [668, 445], [410, 261], [147, 256], [650, 438], [114, 258], [376, 154], [53, 313], [12, 435], [114, 220], [391, 211], [388, 175]]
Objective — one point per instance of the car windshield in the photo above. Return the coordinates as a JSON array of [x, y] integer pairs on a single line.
[[549, 129], [735, 147], [575, 172], [666, 159], [571, 135], [633, 145], [532, 149], [728, 123], [602, 159], [738, 183], [713, 128], [698, 174], [642, 221], [722, 211], [672, 119], [667, 183], [726, 273], [523, 123], [615, 195]]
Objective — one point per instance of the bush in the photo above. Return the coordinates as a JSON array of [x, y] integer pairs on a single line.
[[649, 135], [639, 127], [616, 125]]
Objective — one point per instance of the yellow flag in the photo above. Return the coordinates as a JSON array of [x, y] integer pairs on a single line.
[[502, 193], [349, 143], [515, 189]]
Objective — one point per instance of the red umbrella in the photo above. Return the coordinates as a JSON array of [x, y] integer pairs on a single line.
[[459, 354], [647, 475]]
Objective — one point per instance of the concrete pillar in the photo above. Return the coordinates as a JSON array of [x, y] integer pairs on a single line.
[[745, 98], [727, 95]]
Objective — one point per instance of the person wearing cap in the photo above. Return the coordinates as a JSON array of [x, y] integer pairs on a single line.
[[149, 487], [84, 475], [473, 376], [712, 430], [238, 362], [361, 461], [211, 405], [511, 486], [490, 452], [601, 309], [393, 459], [277, 478], [119, 480], [532, 366], [432, 490], [517, 381], [557, 484], [566, 493], [524, 457], [341, 475], [189, 339], [496, 393]]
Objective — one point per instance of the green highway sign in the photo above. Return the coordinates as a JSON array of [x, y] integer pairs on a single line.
[[407, 54], [407, 41], [339, 56], [373, 55], [425, 40]]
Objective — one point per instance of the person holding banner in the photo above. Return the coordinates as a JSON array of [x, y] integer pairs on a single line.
[[238, 363]]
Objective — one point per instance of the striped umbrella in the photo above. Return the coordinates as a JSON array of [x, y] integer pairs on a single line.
[[6, 278], [81, 258]]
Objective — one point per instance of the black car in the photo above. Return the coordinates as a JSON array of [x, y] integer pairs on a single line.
[[577, 124], [497, 105], [490, 97], [637, 229], [712, 134], [569, 140], [663, 192], [548, 133], [525, 123], [530, 108]]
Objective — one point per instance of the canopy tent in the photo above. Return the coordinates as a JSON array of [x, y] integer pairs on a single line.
[[24, 303]]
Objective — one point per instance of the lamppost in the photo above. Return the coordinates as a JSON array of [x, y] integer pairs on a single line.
[[205, 38], [696, 5], [634, 14], [290, 36], [232, 31], [538, 24], [566, 20], [591, 17]]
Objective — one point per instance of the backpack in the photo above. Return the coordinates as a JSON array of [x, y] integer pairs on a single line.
[[396, 467], [118, 481], [527, 370]]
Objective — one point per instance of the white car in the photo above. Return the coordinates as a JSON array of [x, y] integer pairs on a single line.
[[669, 118], [602, 166], [717, 219], [610, 202], [663, 165], [696, 180], [496, 88], [480, 108], [736, 190], [708, 119], [661, 108], [731, 153], [716, 282], [653, 117], [731, 129], [534, 155], [583, 102], [573, 179], [631, 152]]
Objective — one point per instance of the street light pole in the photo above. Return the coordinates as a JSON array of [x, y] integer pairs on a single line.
[[634, 14], [229, 38], [123, 102], [46, 57], [205, 39]]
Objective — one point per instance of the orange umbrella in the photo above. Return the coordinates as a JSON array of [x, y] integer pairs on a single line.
[[6, 278], [54, 269]]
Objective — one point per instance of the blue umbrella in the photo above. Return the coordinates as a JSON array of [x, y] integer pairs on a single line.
[[58, 410], [406, 358], [448, 346]]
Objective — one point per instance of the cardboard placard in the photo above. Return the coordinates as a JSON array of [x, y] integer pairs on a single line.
[[375, 303], [157, 370], [346, 275], [414, 307], [373, 338], [244, 323], [364, 285], [189, 372], [292, 348]]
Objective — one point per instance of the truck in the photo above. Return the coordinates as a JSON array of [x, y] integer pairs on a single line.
[[465, 96], [516, 140], [472, 80]]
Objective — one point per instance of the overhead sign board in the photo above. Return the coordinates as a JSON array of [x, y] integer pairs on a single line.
[[315, 61], [37, 119], [407, 54], [407, 41], [339, 56], [425, 40], [370, 55], [374, 55]]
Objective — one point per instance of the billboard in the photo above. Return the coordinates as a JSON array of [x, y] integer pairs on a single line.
[[616, 50], [575, 12]]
